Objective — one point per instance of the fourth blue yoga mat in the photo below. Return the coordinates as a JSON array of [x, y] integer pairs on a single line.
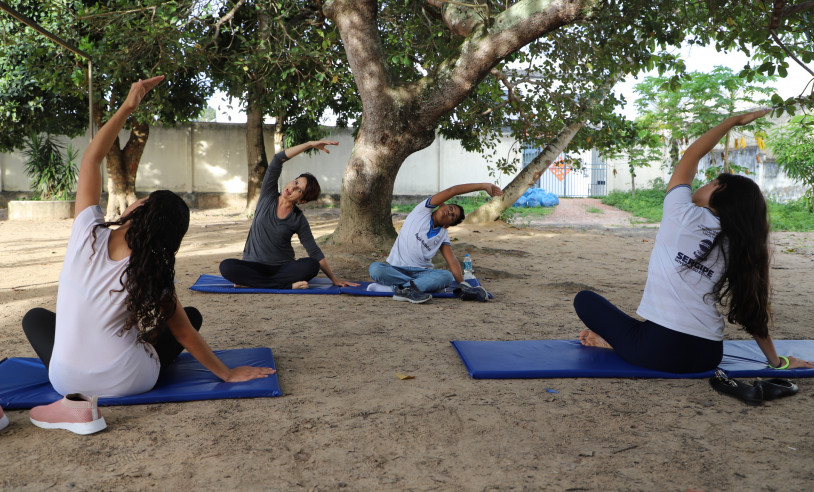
[[24, 381], [569, 359]]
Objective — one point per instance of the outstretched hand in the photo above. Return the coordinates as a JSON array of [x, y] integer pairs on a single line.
[[494, 190], [247, 373], [138, 90], [320, 144], [746, 118]]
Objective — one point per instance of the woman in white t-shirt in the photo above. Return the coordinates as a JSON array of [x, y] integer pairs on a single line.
[[118, 320], [711, 249]]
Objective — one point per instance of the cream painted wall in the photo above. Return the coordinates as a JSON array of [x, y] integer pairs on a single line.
[[211, 157]]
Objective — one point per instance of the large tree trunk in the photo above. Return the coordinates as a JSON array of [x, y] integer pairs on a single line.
[[256, 157], [401, 119], [255, 151], [493, 209], [122, 167]]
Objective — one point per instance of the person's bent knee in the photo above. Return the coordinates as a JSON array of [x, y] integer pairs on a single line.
[[226, 267], [35, 317], [446, 277], [376, 269], [195, 316]]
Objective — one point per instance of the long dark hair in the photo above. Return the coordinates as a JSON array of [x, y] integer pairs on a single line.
[[153, 236], [743, 289]]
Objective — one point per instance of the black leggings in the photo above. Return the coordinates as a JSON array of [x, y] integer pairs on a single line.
[[39, 325], [254, 274], [644, 343]]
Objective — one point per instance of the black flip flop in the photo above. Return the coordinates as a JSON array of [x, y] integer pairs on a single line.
[[776, 388], [751, 395]]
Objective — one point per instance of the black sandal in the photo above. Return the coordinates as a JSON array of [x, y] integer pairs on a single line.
[[751, 395], [776, 388]]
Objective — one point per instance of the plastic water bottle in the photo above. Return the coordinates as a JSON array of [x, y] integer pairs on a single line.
[[469, 272]]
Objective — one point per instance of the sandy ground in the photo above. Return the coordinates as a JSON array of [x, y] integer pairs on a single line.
[[346, 421]]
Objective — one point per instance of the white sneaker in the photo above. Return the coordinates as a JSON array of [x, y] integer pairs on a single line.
[[3, 419]]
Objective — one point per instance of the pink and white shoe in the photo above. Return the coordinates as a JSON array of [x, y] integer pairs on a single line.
[[3, 419], [75, 412]]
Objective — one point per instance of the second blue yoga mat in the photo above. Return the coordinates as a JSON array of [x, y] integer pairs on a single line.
[[215, 284], [569, 359], [24, 381]]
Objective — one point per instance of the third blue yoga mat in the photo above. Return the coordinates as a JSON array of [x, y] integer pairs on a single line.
[[569, 359]]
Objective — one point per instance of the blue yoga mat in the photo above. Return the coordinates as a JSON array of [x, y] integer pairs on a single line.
[[569, 359], [362, 290], [218, 284], [24, 381]]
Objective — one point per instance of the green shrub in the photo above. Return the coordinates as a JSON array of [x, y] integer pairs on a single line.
[[52, 175]]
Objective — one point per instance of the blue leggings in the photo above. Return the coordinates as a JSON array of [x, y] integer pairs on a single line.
[[644, 343]]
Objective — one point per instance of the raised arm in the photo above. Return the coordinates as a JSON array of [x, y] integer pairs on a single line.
[[460, 189], [687, 167], [318, 144], [89, 185], [190, 339]]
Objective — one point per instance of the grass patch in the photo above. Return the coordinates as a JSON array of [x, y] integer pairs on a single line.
[[594, 210], [792, 216], [647, 204]]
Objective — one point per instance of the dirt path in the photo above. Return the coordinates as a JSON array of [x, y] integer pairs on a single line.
[[346, 421]]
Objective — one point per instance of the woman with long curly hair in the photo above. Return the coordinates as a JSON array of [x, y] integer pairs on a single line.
[[118, 320], [712, 249]]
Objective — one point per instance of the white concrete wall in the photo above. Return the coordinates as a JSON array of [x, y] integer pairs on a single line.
[[211, 157]]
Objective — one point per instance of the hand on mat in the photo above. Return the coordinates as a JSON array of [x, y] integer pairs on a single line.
[[138, 90], [247, 373], [344, 283], [795, 363]]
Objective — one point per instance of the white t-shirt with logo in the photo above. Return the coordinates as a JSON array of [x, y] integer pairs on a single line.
[[677, 283], [91, 355], [419, 239]]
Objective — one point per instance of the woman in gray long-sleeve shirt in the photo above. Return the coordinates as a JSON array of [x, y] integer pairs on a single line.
[[268, 258]]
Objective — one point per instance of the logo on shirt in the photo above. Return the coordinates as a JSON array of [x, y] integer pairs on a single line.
[[694, 265], [423, 243], [703, 248]]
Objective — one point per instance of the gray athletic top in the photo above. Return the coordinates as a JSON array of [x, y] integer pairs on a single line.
[[269, 238]]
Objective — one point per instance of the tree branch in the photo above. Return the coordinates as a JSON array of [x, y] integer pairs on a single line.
[[223, 20], [789, 53]]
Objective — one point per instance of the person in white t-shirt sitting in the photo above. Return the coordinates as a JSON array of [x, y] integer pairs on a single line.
[[118, 321], [712, 248], [409, 269]]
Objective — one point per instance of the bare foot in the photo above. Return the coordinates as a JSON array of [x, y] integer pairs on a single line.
[[591, 339], [302, 284]]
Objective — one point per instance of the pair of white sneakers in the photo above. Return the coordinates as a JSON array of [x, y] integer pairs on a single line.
[[75, 412]]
